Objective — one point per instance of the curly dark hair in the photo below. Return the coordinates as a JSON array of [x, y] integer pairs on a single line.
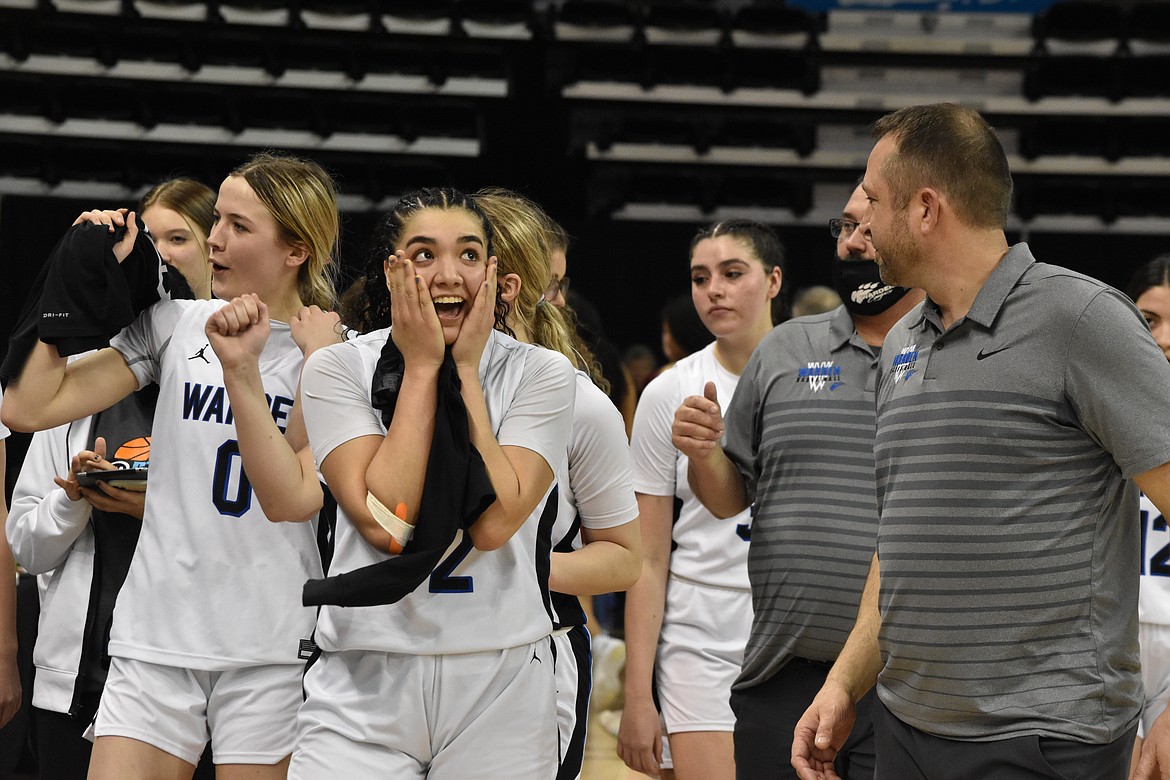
[[367, 306]]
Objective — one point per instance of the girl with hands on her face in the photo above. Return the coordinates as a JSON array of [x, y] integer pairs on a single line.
[[416, 309], [455, 680], [416, 329]]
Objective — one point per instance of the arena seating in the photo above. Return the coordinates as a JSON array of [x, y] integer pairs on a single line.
[[676, 109]]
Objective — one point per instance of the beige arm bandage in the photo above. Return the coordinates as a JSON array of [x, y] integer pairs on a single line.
[[400, 531]]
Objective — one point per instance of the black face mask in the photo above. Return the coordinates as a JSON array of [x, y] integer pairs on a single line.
[[861, 287]]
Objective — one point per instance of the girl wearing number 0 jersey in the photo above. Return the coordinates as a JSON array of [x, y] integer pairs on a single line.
[[455, 680], [207, 631]]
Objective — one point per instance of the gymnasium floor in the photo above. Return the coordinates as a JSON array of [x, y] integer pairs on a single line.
[[601, 759]]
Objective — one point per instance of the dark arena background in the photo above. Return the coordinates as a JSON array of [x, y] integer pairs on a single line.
[[633, 123]]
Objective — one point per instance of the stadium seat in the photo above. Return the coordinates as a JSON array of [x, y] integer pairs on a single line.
[[683, 22], [596, 20], [773, 24], [416, 17], [1076, 135], [500, 19], [352, 16], [1093, 27]]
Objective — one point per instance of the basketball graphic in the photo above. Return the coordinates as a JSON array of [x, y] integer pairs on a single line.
[[134, 451]]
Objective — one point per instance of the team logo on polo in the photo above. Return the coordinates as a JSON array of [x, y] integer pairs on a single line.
[[905, 362], [819, 373]]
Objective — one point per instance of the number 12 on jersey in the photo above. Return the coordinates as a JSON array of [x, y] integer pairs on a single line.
[[1156, 564]]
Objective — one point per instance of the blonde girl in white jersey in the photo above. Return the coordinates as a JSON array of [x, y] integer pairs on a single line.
[[689, 614], [207, 630], [596, 542], [455, 680]]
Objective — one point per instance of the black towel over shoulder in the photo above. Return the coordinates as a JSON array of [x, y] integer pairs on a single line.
[[457, 491], [83, 296]]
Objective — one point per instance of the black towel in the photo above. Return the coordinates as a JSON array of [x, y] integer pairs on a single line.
[[457, 491], [83, 296]]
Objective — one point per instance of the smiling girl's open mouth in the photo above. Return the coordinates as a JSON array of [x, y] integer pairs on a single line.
[[449, 307]]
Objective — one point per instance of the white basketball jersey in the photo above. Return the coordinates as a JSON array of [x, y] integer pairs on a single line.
[[1154, 586], [474, 600], [709, 551], [596, 487], [214, 584]]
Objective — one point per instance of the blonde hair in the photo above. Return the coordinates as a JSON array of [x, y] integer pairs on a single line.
[[302, 199], [523, 247], [190, 199]]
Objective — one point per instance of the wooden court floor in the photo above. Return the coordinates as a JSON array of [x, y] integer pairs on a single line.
[[601, 758]]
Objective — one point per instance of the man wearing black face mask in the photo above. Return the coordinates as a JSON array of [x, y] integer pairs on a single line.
[[874, 305], [799, 448]]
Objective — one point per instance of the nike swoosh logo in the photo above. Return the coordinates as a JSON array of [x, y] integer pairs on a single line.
[[986, 353]]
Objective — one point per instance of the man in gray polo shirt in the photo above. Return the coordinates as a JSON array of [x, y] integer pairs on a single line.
[[799, 448], [1016, 408]]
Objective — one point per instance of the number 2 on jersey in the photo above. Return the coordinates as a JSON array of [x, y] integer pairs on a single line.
[[441, 579]]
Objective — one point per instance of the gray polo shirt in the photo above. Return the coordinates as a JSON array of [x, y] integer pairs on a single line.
[[1008, 541], [800, 429]]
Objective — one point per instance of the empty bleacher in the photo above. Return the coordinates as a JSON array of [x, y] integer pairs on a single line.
[[676, 108]]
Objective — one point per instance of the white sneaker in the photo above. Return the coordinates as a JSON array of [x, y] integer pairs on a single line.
[[609, 663], [611, 721]]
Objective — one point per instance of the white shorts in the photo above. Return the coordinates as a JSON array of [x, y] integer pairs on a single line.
[[468, 715], [667, 761], [574, 672], [1154, 639], [249, 714], [700, 652]]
